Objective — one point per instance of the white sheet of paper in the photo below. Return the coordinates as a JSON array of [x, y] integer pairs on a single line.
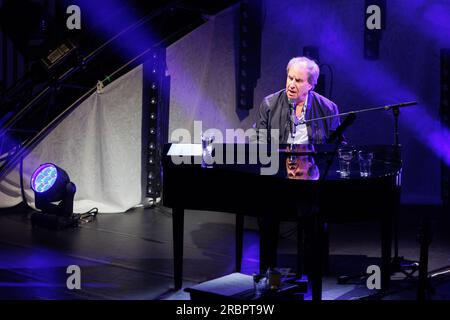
[[185, 149], [227, 285]]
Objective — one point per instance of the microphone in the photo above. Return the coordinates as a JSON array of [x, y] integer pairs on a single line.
[[292, 117]]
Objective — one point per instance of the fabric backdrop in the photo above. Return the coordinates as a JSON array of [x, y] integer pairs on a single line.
[[98, 145]]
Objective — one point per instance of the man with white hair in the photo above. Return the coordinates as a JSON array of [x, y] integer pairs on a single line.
[[286, 109]]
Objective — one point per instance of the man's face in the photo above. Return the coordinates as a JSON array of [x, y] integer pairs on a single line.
[[297, 85], [301, 168]]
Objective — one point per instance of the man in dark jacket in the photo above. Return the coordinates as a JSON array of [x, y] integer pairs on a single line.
[[288, 111], [295, 104]]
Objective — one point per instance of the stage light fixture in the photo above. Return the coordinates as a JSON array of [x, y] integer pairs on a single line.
[[54, 194]]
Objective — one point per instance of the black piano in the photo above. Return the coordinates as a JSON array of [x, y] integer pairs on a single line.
[[307, 184]]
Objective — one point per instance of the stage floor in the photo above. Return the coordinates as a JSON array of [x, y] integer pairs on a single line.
[[129, 255]]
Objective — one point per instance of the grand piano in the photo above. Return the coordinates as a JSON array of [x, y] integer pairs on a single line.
[[307, 184]]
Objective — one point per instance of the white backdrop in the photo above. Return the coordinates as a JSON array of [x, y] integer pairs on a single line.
[[98, 145]]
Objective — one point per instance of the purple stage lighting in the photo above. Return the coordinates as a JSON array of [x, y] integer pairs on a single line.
[[44, 177]]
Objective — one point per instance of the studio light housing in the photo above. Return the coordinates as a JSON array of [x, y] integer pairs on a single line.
[[54, 194]]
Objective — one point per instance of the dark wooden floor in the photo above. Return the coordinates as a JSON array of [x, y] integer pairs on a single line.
[[129, 255]]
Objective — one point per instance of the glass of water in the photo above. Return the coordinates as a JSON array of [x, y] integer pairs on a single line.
[[365, 163], [345, 156], [260, 283], [207, 151]]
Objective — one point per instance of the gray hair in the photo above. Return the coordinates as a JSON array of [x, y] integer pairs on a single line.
[[310, 65]]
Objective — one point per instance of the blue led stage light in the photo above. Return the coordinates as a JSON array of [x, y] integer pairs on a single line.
[[44, 178], [54, 194]]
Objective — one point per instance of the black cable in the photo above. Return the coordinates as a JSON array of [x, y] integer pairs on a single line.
[[87, 216]]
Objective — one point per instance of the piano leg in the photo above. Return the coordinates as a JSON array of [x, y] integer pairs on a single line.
[[239, 241], [317, 255], [386, 243], [326, 248], [268, 242], [178, 235], [425, 240], [301, 253], [305, 240]]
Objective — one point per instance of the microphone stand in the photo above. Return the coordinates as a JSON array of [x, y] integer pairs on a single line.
[[316, 214], [398, 264], [396, 113], [315, 211]]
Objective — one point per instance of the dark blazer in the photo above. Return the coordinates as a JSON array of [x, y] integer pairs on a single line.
[[274, 114]]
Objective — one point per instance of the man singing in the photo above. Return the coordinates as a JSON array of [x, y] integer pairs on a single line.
[[287, 109]]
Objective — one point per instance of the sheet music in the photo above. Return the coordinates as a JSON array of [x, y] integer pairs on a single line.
[[228, 285], [185, 149]]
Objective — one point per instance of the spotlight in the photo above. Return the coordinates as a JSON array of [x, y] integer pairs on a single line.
[[54, 194]]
